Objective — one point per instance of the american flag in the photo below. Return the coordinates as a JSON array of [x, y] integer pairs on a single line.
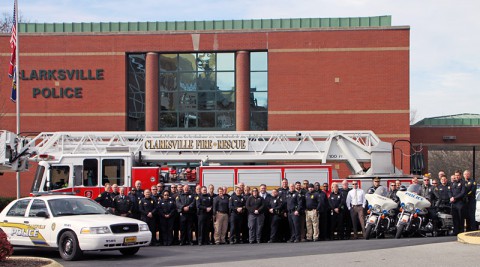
[[13, 45]]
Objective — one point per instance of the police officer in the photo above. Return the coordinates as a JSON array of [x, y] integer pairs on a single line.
[[313, 206], [211, 228], [284, 225], [255, 206], [302, 191], [105, 198], [147, 207], [204, 204], [167, 209], [443, 195], [268, 218], [323, 220], [346, 220], [122, 205], [392, 193], [138, 195], [186, 208], [115, 191], [174, 188], [237, 211], [470, 201], [458, 193], [277, 210], [336, 204], [294, 208]]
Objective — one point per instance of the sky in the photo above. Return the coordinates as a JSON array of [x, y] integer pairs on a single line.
[[444, 35]]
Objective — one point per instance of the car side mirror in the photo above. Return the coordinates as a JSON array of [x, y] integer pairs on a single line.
[[42, 214]]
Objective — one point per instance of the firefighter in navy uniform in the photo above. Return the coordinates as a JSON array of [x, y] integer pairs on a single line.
[[147, 207], [458, 193], [337, 205], [122, 205], [470, 201], [278, 212], [294, 208], [237, 211], [167, 209], [204, 203], [186, 208]]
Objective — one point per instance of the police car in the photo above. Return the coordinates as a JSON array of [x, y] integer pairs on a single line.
[[71, 224]]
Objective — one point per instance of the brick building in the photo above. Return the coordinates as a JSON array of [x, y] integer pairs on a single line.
[[271, 74]]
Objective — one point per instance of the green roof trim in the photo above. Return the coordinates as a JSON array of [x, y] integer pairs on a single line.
[[247, 24], [465, 119]]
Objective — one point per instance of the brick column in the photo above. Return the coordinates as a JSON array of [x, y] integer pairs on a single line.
[[151, 92], [242, 87]]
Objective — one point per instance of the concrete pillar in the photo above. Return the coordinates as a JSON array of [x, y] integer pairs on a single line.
[[242, 87], [151, 92]]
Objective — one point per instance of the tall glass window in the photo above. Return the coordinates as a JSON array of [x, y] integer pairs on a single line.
[[258, 91], [136, 92], [197, 91]]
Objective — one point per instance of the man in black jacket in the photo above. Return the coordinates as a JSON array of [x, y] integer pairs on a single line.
[[256, 217], [294, 208]]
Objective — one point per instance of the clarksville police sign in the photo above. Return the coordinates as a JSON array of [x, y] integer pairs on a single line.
[[60, 75]]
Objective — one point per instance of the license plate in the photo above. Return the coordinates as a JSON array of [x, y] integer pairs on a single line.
[[405, 218], [372, 219], [129, 240]]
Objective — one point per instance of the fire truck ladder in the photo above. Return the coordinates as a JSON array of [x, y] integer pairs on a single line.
[[354, 147]]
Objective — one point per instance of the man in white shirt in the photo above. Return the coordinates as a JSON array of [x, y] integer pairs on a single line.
[[356, 204]]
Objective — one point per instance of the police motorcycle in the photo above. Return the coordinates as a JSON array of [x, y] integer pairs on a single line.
[[411, 219], [381, 214], [444, 219]]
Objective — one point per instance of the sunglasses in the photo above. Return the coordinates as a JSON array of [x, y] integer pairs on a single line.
[[354, 184]]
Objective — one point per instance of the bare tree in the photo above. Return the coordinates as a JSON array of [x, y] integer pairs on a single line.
[[7, 21], [413, 116], [450, 161]]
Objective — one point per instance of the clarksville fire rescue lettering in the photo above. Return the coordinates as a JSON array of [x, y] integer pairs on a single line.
[[60, 75], [196, 144]]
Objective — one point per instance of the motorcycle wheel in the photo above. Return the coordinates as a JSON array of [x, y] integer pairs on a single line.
[[399, 231], [368, 231]]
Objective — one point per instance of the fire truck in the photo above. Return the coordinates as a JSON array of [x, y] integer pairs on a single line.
[[81, 163]]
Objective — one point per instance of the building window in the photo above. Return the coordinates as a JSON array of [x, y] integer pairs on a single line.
[[136, 92], [197, 91], [258, 91]]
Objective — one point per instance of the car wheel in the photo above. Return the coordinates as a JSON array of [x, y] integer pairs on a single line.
[[129, 251], [68, 247]]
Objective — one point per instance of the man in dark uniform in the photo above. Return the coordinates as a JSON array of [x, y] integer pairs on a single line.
[[105, 198], [277, 210], [458, 193], [336, 206], [185, 207], [427, 192], [198, 189], [443, 194], [346, 220], [167, 209], [147, 207], [138, 193], [470, 201], [284, 225], [302, 191], [313, 206], [267, 216], [323, 219], [122, 205], [115, 191], [176, 217], [294, 208], [211, 228], [204, 204], [237, 211]]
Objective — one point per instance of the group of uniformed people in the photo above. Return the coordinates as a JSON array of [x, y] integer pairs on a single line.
[[294, 212]]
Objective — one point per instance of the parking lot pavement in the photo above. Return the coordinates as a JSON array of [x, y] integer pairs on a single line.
[[437, 254]]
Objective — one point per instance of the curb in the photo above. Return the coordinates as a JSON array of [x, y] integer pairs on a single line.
[[52, 263], [472, 238]]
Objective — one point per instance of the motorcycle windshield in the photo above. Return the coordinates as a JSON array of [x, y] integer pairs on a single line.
[[414, 188], [417, 201], [381, 190], [378, 200]]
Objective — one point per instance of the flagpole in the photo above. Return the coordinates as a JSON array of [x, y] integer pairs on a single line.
[[17, 102]]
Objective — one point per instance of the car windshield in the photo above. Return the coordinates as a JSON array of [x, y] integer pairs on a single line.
[[74, 206]]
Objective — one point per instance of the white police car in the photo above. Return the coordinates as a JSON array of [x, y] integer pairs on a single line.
[[71, 224]]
